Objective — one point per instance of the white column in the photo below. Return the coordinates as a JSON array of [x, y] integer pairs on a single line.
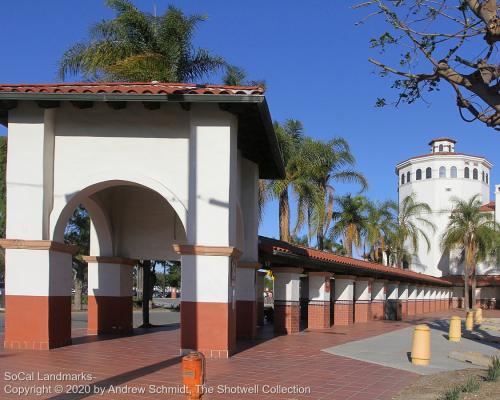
[[318, 312], [246, 306], [362, 299], [427, 299], [343, 310], [392, 290], [286, 299], [378, 298], [420, 299]]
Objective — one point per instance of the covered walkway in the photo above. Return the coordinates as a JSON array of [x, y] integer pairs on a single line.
[[317, 289]]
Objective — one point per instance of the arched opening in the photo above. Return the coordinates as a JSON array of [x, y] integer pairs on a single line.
[[453, 172], [419, 174], [475, 174], [442, 172], [482, 176], [441, 148], [408, 175], [466, 173], [487, 178], [126, 234], [402, 179], [428, 173]]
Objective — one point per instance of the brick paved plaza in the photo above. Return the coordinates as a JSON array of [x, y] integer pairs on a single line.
[[151, 358]]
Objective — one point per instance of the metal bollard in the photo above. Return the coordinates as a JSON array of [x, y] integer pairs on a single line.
[[193, 374], [455, 332], [469, 321], [421, 347], [478, 316]]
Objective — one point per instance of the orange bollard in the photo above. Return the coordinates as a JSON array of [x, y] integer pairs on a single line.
[[193, 374]]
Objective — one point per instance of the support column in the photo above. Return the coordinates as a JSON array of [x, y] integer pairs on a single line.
[[109, 295], [378, 299], [390, 311], [427, 299], [362, 299], [318, 312], [439, 299], [433, 297], [420, 299], [259, 294], [412, 300], [37, 294], [403, 298], [343, 310], [246, 306], [286, 299]]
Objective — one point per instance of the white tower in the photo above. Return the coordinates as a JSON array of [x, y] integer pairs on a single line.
[[436, 178]]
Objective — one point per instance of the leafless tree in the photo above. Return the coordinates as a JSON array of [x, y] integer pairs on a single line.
[[457, 42]]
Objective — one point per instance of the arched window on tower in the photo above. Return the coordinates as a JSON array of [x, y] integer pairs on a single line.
[[441, 148], [442, 172], [482, 176], [453, 172], [466, 172], [475, 174], [419, 174], [408, 177], [402, 179], [428, 173], [487, 178]]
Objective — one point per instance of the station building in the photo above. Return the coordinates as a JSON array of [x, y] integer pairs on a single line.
[[436, 178], [167, 172]]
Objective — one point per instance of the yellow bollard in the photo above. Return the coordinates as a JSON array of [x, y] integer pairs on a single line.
[[469, 321], [478, 316], [421, 347], [455, 332]]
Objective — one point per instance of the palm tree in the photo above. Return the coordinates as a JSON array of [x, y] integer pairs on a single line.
[[324, 163], [350, 221], [236, 76], [380, 225], [290, 137], [140, 47], [474, 234], [412, 225]]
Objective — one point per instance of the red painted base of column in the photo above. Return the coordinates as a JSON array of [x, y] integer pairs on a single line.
[[37, 322], [412, 307], [427, 306], [377, 310], [260, 313], [343, 312], [433, 305], [286, 317], [246, 319], [318, 314], [109, 315], [404, 309], [419, 309], [362, 311], [209, 328]]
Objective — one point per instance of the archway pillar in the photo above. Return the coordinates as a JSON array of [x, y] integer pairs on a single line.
[[286, 299], [208, 301], [109, 295], [427, 299], [318, 309], [362, 299], [246, 304], [403, 297], [378, 299], [38, 294], [343, 307]]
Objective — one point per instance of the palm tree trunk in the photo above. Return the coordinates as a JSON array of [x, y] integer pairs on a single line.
[[320, 239], [466, 291], [473, 284], [348, 247], [284, 216], [146, 292], [77, 298]]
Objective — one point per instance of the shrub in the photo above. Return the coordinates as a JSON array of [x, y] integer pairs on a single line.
[[493, 373], [471, 386], [452, 394]]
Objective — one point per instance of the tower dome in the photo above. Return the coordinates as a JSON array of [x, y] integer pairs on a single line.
[[442, 145]]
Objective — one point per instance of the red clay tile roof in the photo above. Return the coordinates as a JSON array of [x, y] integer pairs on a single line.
[[481, 280], [439, 139], [131, 88], [488, 207], [272, 246]]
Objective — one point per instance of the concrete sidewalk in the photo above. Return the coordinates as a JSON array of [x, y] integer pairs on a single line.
[[393, 350]]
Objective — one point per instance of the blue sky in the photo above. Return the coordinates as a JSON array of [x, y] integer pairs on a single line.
[[311, 54]]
